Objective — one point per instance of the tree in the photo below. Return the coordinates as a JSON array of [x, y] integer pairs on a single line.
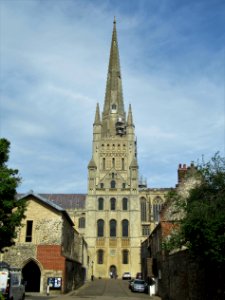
[[202, 227], [11, 210]]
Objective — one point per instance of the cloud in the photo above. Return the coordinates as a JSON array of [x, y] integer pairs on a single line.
[[54, 59]]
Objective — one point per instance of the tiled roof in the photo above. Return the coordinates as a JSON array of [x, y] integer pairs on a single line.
[[66, 201]]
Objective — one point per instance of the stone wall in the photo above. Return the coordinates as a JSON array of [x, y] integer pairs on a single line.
[[182, 278]]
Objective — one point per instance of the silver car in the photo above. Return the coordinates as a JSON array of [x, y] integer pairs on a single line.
[[139, 285]]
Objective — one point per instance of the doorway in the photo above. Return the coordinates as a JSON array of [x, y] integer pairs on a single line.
[[32, 276], [113, 272]]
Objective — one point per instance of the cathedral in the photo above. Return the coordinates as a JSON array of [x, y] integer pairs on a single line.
[[110, 222], [120, 210]]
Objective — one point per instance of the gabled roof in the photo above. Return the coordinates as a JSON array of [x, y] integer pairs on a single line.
[[46, 202]]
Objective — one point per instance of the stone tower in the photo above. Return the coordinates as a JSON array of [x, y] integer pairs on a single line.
[[113, 223]]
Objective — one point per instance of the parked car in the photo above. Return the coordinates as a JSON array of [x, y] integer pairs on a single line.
[[139, 275], [139, 285], [126, 276], [131, 283]]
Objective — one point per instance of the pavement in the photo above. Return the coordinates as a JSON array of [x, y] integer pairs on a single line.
[[104, 289]]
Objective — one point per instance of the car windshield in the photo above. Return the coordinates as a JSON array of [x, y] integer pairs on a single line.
[[139, 281]]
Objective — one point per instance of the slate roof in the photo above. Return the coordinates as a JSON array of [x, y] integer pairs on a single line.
[[65, 201]]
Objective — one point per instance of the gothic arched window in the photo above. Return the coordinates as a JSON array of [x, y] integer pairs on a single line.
[[113, 204], [100, 228], [125, 228], [100, 203], [143, 210], [100, 256], [157, 206], [112, 228]]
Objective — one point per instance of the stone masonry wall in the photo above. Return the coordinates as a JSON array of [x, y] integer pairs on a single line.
[[182, 278]]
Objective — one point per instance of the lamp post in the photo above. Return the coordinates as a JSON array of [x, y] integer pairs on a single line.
[[92, 270]]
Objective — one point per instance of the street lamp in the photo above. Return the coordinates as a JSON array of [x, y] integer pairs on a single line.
[[92, 270]]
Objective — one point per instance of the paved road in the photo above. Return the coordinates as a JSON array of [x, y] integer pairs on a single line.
[[103, 289]]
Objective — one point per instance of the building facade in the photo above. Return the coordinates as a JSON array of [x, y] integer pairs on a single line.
[[48, 249]]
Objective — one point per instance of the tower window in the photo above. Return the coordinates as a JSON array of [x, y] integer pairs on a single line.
[[125, 254], [29, 230], [113, 184], [100, 228], [125, 203], [113, 204], [112, 226], [125, 228], [123, 164], [100, 204], [113, 108]]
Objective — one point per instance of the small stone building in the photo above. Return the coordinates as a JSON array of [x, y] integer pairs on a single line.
[[48, 248]]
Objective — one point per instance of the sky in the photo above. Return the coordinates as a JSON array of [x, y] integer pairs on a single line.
[[54, 58]]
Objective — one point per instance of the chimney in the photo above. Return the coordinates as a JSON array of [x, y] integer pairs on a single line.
[[181, 172]]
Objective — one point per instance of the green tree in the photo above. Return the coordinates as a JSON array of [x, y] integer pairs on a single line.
[[202, 227], [11, 210]]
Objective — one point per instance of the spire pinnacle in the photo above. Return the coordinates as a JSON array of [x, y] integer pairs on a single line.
[[97, 116], [130, 117], [114, 95]]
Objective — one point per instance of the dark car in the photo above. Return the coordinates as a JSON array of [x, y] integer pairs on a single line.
[[139, 275], [131, 283], [139, 285]]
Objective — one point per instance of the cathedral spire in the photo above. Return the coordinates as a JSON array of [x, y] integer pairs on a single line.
[[130, 117], [97, 116], [114, 96]]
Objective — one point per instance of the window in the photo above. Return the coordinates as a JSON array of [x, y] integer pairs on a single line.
[[114, 106], [125, 257], [123, 165], [113, 162], [81, 222], [113, 204], [113, 184], [100, 257], [100, 203], [103, 163], [145, 230], [143, 210], [124, 185], [100, 228], [102, 185], [125, 228], [112, 226], [125, 203], [157, 206], [29, 230]]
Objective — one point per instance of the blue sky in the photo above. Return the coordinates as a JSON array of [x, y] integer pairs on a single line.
[[53, 67]]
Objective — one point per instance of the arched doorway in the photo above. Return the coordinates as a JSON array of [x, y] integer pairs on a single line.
[[113, 271], [32, 276]]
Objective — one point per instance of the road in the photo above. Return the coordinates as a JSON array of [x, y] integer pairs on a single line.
[[105, 289]]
